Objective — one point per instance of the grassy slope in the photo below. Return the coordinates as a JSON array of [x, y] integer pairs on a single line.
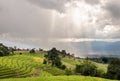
[[35, 61], [70, 63], [59, 78], [26, 64]]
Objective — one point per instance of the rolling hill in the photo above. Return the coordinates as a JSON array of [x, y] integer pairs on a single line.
[[29, 67]]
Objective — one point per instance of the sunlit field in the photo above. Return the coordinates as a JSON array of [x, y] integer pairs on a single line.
[[30, 67]]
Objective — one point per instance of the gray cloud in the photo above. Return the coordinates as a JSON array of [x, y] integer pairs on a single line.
[[109, 24], [23, 21], [113, 7], [30, 21], [36, 23], [93, 2], [58, 5]]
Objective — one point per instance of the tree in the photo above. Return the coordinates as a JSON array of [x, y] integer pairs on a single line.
[[44, 61], [53, 57], [4, 51], [11, 50], [113, 71], [40, 49], [63, 67], [15, 48], [32, 50], [104, 59], [68, 72], [63, 52], [87, 69]]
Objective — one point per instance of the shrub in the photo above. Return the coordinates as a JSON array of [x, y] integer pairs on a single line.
[[20, 53], [4, 51], [32, 50], [87, 69], [63, 67], [100, 73], [114, 69], [53, 58], [44, 61], [68, 72]]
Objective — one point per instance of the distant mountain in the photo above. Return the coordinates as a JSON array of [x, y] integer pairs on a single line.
[[99, 48], [109, 47]]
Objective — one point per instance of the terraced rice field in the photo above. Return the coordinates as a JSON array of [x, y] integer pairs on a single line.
[[29, 67], [24, 66], [60, 78]]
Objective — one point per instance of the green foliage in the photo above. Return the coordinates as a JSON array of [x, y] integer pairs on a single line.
[[4, 51], [68, 72], [105, 60], [63, 67], [100, 73], [63, 53], [114, 69], [25, 65], [53, 58], [44, 61], [87, 68], [11, 50], [32, 50]]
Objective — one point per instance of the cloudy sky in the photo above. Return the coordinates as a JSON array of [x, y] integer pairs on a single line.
[[78, 26]]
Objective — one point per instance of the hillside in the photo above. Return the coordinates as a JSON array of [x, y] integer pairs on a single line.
[[60, 78], [30, 65]]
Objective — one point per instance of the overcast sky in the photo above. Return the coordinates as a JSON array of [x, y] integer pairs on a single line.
[[65, 24]]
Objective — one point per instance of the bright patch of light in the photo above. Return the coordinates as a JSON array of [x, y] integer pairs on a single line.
[[67, 5], [80, 13], [108, 28], [81, 16], [62, 15], [84, 40]]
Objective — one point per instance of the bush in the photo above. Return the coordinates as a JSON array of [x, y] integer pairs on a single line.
[[87, 69], [63, 67], [68, 72], [44, 61], [53, 58], [114, 69], [32, 50], [100, 73], [4, 51], [57, 63], [20, 53]]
